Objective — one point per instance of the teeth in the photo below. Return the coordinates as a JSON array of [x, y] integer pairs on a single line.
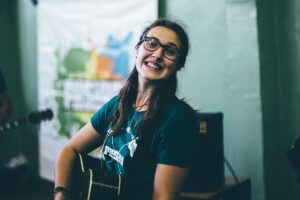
[[150, 64]]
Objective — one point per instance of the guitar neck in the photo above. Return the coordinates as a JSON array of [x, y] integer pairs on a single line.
[[13, 124], [33, 117]]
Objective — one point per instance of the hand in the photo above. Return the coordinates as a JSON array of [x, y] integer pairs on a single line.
[[60, 196]]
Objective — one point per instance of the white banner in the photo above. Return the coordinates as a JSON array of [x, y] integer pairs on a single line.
[[85, 51]]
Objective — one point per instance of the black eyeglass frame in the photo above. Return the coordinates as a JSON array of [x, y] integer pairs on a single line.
[[161, 45]]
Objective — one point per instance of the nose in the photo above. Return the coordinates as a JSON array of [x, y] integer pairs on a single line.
[[158, 53]]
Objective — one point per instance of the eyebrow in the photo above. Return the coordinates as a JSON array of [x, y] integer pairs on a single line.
[[168, 43]]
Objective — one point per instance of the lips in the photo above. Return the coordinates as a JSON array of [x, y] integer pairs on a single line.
[[153, 65]]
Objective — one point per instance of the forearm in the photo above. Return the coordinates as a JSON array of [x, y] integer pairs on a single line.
[[63, 171], [169, 181], [64, 167], [166, 195], [84, 141]]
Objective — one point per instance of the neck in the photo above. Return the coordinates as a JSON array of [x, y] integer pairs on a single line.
[[141, 101], [145, 90], [144, 94]]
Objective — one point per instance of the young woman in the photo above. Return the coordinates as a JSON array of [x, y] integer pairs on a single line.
[[148, 134]]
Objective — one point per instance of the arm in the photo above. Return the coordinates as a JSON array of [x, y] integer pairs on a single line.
[[84, 141], [176, 153], [168, 182]]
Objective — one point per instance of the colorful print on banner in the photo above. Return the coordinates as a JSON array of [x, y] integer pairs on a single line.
[[83, 72], [85, 52]]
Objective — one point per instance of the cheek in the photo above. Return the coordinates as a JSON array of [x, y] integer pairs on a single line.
[[140, 56], [138, 59], [176, 65], [172, 66]]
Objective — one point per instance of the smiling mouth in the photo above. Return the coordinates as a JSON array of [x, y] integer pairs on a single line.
[[153, 65]]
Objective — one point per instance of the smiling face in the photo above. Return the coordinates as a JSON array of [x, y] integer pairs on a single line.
[[153, 65]]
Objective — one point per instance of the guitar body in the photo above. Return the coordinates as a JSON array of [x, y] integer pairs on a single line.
[[92, 182]]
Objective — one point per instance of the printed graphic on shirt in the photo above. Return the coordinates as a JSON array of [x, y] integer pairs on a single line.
[[118, 148], [113, 154]]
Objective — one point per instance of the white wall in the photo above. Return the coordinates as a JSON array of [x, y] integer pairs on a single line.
[[222, 74]]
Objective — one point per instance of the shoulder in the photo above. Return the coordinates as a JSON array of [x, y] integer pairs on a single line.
[[108, 108], [111, 104], [177, 135], [101, 118], [113, 101], [180, 109], [180, 115]]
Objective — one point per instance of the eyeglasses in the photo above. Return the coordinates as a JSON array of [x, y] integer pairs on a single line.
[[152, 44]]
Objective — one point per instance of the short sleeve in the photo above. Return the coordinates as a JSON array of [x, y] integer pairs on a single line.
[[178, 137], [101, 119]]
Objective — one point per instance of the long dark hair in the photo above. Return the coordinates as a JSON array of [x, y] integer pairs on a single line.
[[162, 97]]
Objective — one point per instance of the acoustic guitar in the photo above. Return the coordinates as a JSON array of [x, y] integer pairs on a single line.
[[93, 182]]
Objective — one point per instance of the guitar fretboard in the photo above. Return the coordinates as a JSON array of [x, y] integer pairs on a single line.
[[33, 117], [13, 124]]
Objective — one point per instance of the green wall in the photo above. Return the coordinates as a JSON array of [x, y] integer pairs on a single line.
[[10, 66], [279, 23], [27, 37], [18, 64], [243, 62]]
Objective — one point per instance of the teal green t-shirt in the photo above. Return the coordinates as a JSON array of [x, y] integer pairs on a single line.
[[173, 143]]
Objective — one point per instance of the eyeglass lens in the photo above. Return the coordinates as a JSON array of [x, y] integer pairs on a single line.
[[152, 44]]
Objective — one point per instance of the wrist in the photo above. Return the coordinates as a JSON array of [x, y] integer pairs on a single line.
[[61, 193]]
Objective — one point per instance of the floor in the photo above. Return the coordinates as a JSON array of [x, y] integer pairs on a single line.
[[41, 190]]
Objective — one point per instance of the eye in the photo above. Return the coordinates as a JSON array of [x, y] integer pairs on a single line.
[[171, 51], [152, 43]]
